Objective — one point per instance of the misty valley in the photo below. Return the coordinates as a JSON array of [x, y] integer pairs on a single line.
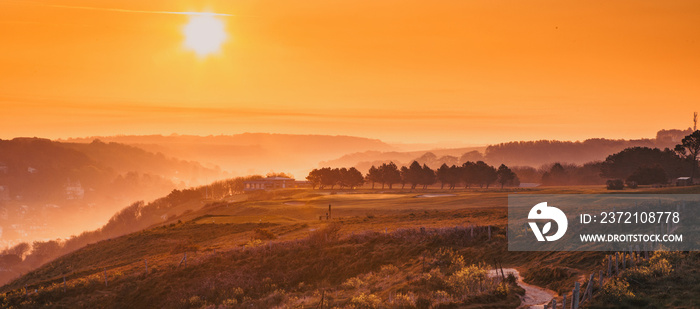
[[424, 228]]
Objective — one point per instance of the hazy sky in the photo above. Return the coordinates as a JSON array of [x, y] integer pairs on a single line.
[[413, 71]]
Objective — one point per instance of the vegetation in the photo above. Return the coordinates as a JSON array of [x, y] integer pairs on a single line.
[[331, 177], [415, 175]]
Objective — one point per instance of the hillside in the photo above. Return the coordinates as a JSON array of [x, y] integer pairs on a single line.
[[517, 153], [272, 249], [51, 189], [380, 250], [251, 153]]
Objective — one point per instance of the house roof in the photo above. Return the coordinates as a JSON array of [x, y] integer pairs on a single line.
[[278, 178]]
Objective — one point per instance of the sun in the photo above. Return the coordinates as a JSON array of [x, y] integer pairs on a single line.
[[204, 34]]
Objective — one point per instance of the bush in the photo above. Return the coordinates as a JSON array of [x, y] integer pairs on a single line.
[[230, 303], [511, 278], [263, 234], [253, 243], [616, 291], [366, 301], [449, 261], [660, 267], [615, 184], [467, 280], [387, 270], [403, 301], [353, 283]]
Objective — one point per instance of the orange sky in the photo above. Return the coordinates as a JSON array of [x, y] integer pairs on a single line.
[[468, 71]]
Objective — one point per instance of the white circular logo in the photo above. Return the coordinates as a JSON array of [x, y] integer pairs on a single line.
[[542, 211]]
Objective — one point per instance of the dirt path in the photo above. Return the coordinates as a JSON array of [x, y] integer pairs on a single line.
[[535, 296]]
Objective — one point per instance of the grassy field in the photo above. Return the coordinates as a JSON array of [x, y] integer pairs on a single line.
[[381, 249]]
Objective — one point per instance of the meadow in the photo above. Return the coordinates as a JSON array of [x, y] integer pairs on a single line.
[[376, 249]]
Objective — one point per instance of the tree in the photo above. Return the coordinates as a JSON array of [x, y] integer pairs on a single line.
[[622, 164], [485, 174], [281, 174], [469, 173], [443, 175], [689, 149], [648, 175], [454, 176], [427, 176], [505, 175], [353, 178], [373, 175], [556, 175], [404, 176], [314, 178], [389, 174], [413, 174]]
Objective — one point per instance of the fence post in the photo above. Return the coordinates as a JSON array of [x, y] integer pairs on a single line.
[[609, 265], [184, 260], [589, 289], [554, 303], [563, 301], [624, 260], [489, 232], [601, 279], [617, 267], [105, 275], [574, 297], [146, 261]]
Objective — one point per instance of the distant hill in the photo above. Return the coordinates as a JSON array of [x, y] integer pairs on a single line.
[[433, 158], [521, 153], [251, 153], [537, 153], [50, 189]]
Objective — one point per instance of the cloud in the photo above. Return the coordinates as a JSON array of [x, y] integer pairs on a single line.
[[103, 9]]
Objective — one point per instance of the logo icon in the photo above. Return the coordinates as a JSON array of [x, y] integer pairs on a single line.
[[542, 211]]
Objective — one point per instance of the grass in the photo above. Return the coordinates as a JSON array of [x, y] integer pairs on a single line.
[[265, 251]]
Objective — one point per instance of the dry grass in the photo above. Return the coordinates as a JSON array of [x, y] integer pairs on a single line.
[[375, 246]]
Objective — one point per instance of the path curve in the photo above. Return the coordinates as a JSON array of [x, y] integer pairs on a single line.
[[535, 296]]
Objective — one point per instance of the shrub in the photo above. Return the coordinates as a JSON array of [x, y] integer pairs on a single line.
[[467, 280], [366, 301], [501, 290], [615, 184], [660, 267], [230, 303], [403, 301], [263, 234], [253, 243], [616, 291], [194, 301], [353, 283], [639, 274], [449, 261], [387, 270], [673, 257]]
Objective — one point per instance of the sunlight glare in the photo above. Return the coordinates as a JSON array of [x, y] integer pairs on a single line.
[[204, 34]]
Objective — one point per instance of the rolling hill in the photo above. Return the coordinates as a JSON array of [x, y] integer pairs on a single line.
[[51, 189], [251, 153]]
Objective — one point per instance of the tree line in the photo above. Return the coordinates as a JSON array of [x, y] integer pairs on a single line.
[[415, 175]]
